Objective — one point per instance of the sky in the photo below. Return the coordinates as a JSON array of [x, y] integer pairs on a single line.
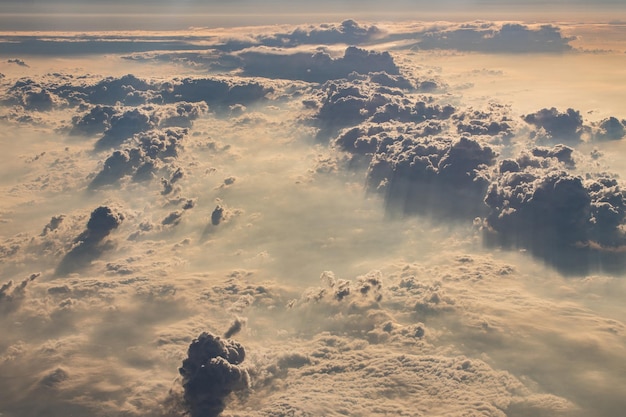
[[312, 214], [103, 15]]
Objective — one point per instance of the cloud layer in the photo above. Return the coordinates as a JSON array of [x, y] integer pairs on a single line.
[[383, 236]]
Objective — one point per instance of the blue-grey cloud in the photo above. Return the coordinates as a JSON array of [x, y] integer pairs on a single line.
[[211, 371], [611, 128], [558, 126], [318, 67], [485, 37], [91, 243], [571, 223]]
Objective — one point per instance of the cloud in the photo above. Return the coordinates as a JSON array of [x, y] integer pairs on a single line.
[[90, 244], [558, 126], [318, 67], [416, 317], [217, 215], [235, 328], [215, 92], [493, 38], [495, 121], [569, 222], [182, 114], [430, 175], [347, 32], [53, 225], [123, 127], [97, 120], [31, 96], [173, 218], [12, 296], [211, 371], [17, 61], [611, 128], [350, 102], [145, 154]]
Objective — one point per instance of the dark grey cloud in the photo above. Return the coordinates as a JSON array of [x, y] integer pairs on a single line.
[[561, 153], [318, 67], [214, 92], [347, 32], [235, 327], [219, 55], [123, 127], [97, 120], [144, 155], [53, 225], [558, 126], [611, 128], [210, 373], [30, 95], [417, 112], [181, 114], [118, 165], [90, 244], [571, 223], [217, 215], [54, 377], [18, 61], [343, 104], [431, 175], [491, 38], [190, 97], [495, 120], [173, 218], [377, 98]]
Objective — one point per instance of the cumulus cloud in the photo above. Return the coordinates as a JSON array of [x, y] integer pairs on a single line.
[[32, 96], [182, 114], [376, 97], [495, 121], [611, 128], [318, 67], [211, 372], [558, 126], [348, 32], [142, 158], [570, 222], [494, 38], [12, 296], [430, 175], [97, 120], [123, 127], [91, 242]]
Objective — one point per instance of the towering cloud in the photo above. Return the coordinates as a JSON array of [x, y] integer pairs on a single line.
[[431, 175], [572, 223], [211, 371], [90, 243], [559, 126]]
